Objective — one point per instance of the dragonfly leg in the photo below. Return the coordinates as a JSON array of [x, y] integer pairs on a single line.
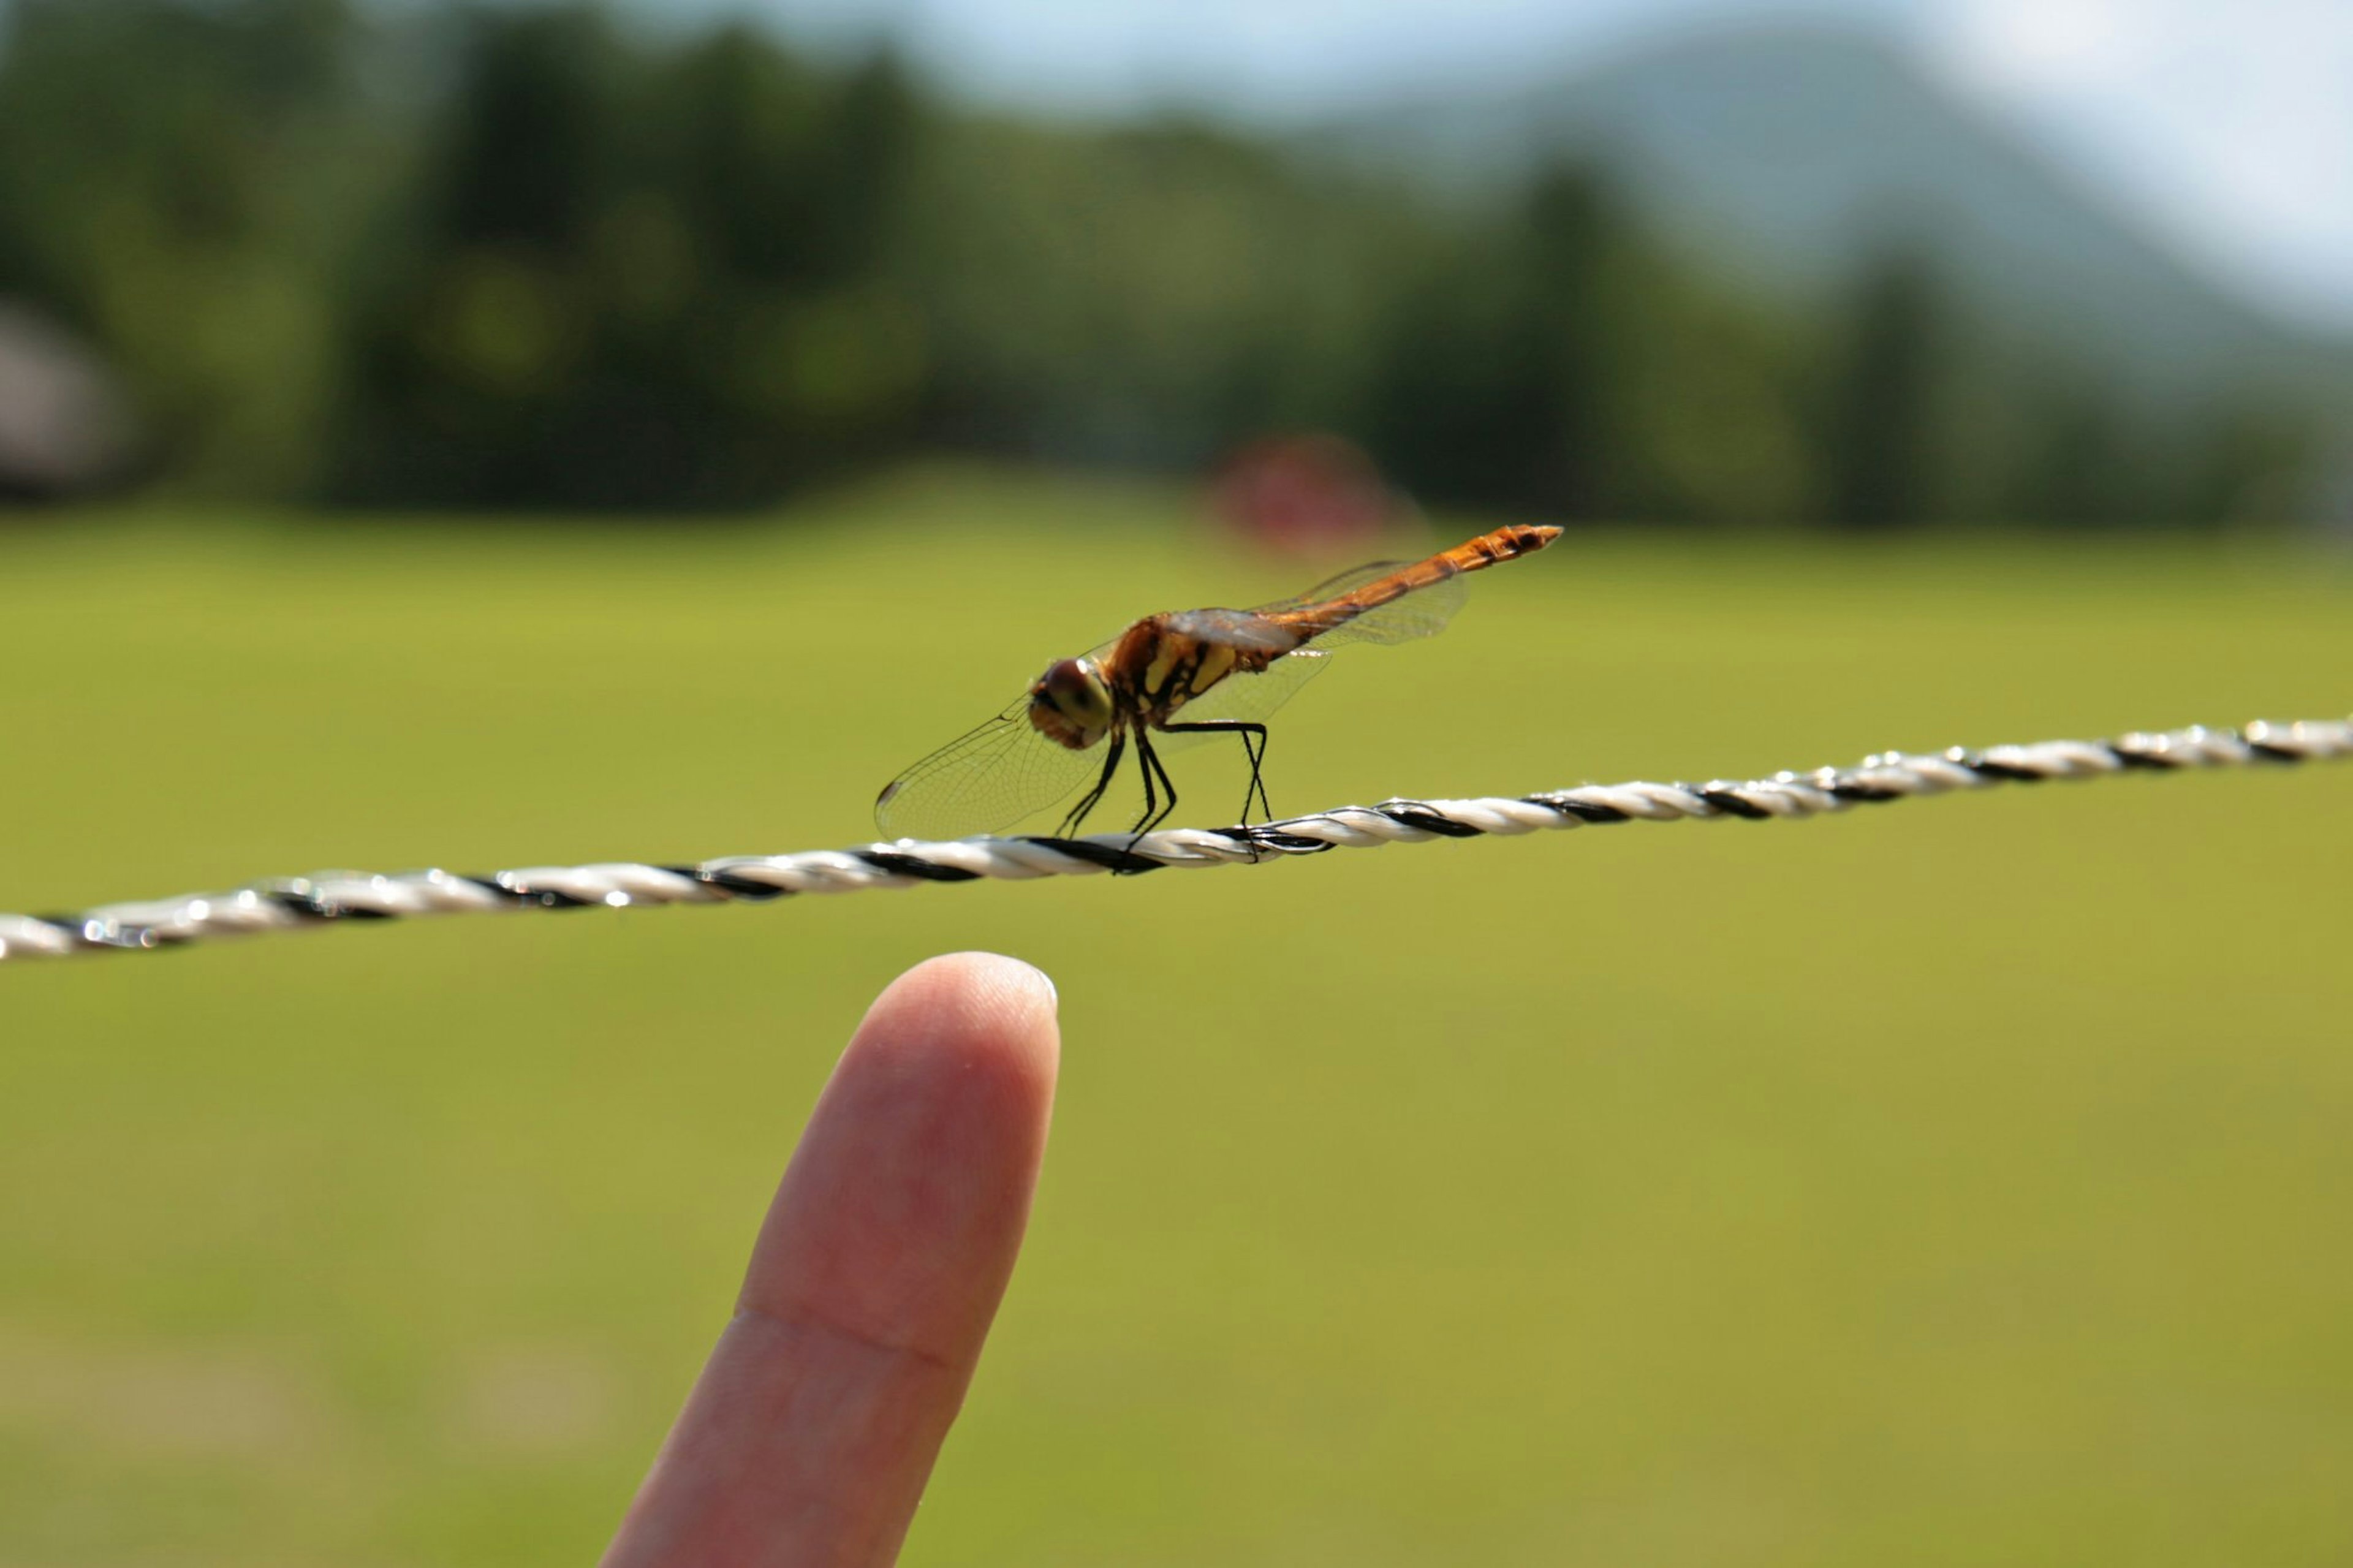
[[1253, 747], [1149, 766], [1157, 810], [1088, 801]]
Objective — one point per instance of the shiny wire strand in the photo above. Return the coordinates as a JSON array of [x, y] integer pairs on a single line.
[[291, 903]]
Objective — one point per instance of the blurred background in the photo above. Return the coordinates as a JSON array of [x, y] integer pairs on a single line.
[[489, 435], [1879, 267]]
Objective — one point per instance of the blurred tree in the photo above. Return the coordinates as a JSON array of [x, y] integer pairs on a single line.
[[1585, 281], [741, 125], [1878, 441], [527, 163], [465, 253], [871, 134], [2248, 462], [1715, 423], [2076, 470], [2246, 458], [1561, 363], [475, 352], [641, 279], [1463, 392], [1148, 295], [1506, 359], [196, 227]]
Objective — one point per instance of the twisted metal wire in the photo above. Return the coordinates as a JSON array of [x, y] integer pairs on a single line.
[[289, 903]]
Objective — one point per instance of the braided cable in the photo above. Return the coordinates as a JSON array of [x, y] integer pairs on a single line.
[[288, 903]]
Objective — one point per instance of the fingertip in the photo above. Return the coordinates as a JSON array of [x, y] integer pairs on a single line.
[[906, 1202], [989, 973], [873, 1282], [981, 1001]]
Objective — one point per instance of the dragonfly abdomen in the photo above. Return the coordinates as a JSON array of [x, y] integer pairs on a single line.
[[1474, 555]]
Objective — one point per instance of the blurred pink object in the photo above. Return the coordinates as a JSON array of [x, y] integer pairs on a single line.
[[1312, 494], [65, 428]]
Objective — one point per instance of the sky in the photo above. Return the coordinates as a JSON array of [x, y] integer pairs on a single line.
[[2225, 126]]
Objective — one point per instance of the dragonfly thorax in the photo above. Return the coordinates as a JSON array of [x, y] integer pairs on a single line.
[[1072, 704]]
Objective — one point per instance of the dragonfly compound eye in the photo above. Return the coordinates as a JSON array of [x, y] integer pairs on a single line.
[[1070, 704]]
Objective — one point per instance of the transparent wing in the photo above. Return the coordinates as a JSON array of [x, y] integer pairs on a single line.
[[1421, 613], [1244, 629], [1334, 586], [983, 782], [1244, 698]]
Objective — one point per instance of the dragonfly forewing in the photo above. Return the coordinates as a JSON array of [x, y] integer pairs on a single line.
[[985, 781]]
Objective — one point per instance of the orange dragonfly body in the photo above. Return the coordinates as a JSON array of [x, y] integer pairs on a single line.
[[1169, 679]]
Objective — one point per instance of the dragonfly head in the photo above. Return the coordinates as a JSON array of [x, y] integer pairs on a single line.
[[1070, 704]]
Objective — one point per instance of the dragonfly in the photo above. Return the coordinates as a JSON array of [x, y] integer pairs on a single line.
[[1172, 680]]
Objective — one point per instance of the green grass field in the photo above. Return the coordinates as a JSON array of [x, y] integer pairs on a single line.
[[1964, 1181]]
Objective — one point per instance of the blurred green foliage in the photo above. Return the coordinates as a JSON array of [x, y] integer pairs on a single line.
[[464, 255], [1958, 1181]]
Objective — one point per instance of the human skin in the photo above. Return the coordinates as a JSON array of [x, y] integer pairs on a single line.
[[814, 1424]]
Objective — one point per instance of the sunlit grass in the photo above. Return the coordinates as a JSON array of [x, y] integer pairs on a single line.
[[1956, 1182]]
